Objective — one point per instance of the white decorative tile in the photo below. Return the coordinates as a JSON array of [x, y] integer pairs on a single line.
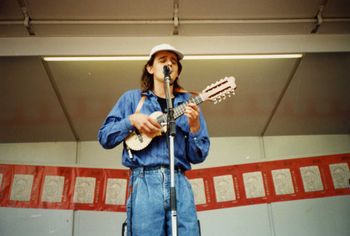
[[311, 178], [340, 175], [224, 189], [282, 181], [84, 190], [116, 191], [22, 187], [198, 191], [253, 184], [53, 189]]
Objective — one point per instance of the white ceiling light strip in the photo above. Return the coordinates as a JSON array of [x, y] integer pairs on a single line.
[[190, 57], [232, 57], [88, 58]]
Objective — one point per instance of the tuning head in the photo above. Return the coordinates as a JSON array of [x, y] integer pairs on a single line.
[[218, 91]]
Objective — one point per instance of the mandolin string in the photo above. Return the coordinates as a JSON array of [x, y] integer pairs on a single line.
[[179, 110]]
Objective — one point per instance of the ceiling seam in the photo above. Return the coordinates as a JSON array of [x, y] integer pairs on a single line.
[[176, 21], [27, 20], [176, 17], [283, 92], [60, 99], [319, 17]]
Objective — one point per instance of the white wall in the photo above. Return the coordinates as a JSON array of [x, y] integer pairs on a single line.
[[38, 222], [304, 217], [311, 217], [223, 151]]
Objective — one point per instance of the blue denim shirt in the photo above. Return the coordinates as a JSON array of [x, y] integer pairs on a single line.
[[189, 147]]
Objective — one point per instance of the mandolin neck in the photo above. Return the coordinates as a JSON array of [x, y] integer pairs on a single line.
[[180, 110]]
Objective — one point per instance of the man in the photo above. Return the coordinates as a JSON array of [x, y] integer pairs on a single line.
[[148, 206]]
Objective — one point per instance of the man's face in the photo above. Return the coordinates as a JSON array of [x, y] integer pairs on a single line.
[[164, 58]]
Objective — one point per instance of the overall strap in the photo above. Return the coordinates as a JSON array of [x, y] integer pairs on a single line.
[[139, 105], [181, 90], [138, 109]]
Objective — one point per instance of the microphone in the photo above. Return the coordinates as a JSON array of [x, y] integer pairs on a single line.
[[166, 72]]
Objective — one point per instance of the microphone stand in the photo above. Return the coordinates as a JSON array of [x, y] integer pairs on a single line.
[[171, 129]]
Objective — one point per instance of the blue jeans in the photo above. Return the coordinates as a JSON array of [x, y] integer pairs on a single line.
[[148, 206]]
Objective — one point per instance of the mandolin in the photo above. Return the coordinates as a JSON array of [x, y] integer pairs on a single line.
[[215, 92]]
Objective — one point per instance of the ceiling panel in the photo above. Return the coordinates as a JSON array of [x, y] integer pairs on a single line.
[[30, 109], [154, 18], [247, 112], [102, 30], [245, 29], [243, 9], [100, 10], [317, 101], [90, 89], [13, 31], [337, 8], [10, 10], [335, 28]]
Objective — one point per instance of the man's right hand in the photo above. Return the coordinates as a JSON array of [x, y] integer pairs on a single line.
[[145, 124]]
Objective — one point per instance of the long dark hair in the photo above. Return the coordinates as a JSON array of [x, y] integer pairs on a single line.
[[147, 78]]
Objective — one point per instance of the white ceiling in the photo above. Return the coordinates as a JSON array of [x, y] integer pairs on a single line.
[[67, 101]]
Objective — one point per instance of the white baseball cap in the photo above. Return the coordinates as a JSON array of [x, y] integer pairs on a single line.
[[166, 47]]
